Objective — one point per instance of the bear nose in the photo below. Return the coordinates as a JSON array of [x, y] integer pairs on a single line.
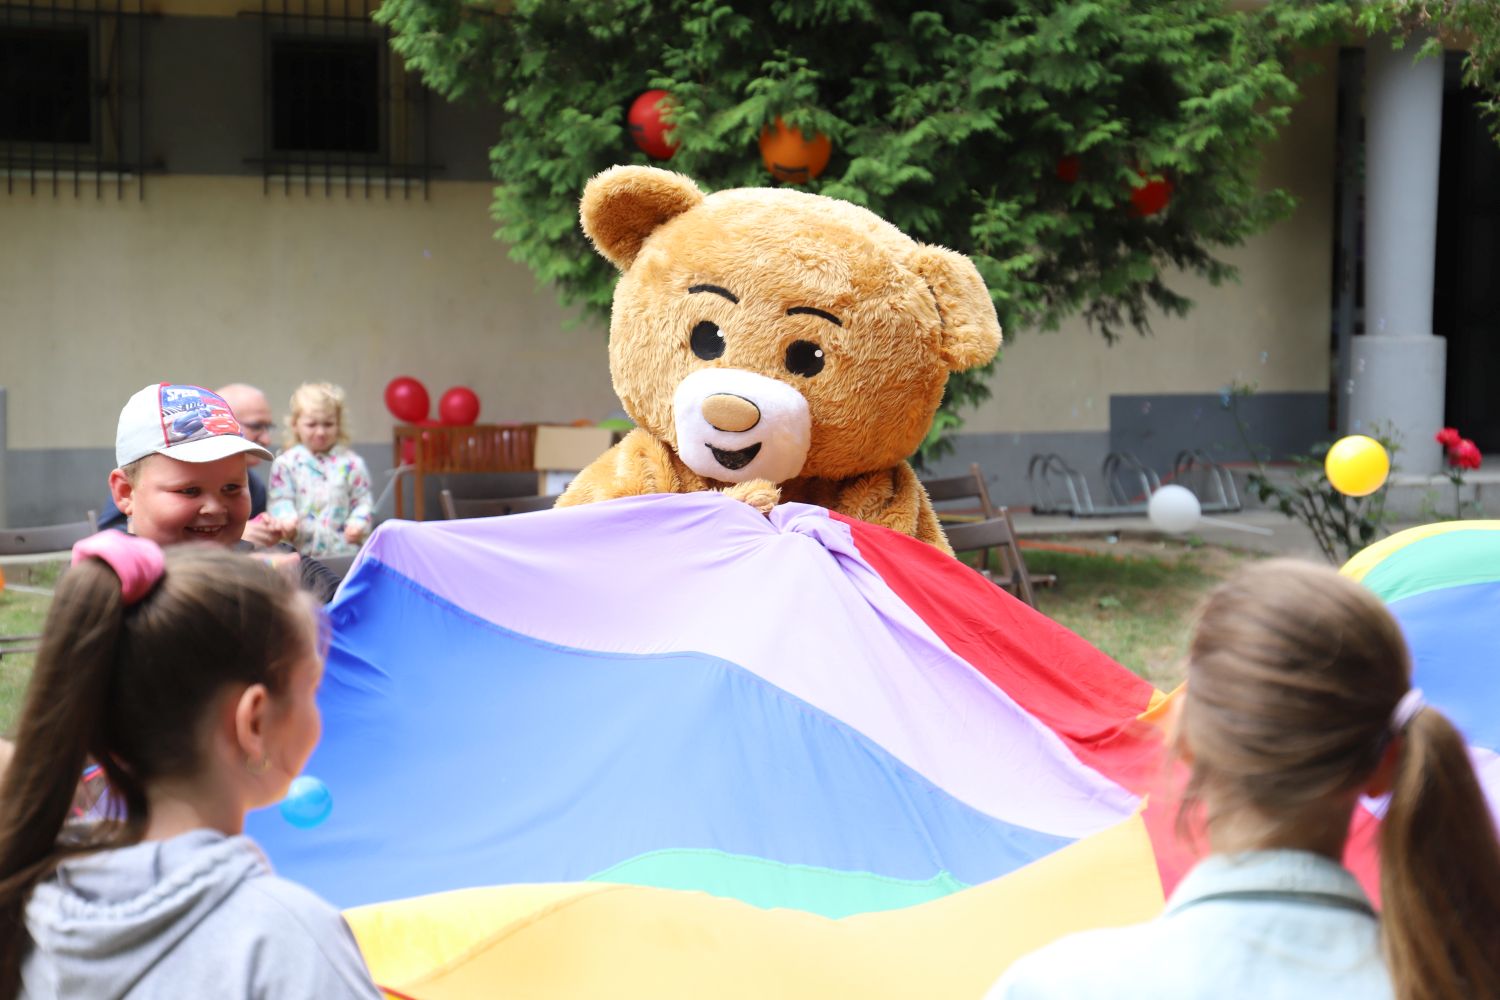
[[731, 413]]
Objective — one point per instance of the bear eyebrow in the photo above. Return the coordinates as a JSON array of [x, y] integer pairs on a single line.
[[810, 311], [716, 290]]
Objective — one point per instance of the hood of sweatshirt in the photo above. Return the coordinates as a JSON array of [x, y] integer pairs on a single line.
[[103, 920]]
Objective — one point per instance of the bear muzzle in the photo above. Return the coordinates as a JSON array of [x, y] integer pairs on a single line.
[[734, 425]]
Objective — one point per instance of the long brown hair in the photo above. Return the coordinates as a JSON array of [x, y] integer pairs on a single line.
[[1293, 675], [129, 687]]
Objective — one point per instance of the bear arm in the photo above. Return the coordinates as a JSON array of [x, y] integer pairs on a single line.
[[761, 494], [893, 498], [640, 464]]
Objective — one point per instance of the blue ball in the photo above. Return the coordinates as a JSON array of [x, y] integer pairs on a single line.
[[308, 802]]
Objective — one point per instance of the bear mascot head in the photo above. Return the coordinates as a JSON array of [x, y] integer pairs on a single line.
[[777, 345]]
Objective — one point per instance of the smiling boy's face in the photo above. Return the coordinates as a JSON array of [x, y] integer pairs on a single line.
[[171, 502]]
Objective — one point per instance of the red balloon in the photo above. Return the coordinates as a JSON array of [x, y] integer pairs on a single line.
[[1151, 197], [1068, 169], [646, 126], [407, 400], [459, 407]]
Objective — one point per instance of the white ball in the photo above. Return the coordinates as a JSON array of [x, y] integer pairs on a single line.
[[1174, 509]]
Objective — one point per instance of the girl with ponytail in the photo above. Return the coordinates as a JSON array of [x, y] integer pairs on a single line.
[[1298, 702], [190, 677]]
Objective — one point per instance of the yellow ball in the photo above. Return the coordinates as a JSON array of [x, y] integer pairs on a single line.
[[1357, 465]]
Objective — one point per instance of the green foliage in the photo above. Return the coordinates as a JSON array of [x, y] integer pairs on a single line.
[[948, 118], [1341, 525], [1473, 25]]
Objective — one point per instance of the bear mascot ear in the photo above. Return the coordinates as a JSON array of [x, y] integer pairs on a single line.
[[624, 205], [971, 331]]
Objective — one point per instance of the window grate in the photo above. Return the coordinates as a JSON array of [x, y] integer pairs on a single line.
[[339, 110], [72, 96]]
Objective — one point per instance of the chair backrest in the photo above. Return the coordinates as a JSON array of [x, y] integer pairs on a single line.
[[455, 508], [339, 566], [995, 533], [50, 538], [965, 487]]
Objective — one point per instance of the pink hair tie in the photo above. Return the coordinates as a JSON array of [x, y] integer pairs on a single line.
[[136, 561]]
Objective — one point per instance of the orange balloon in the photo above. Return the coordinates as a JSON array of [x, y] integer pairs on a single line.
[[791, 158]]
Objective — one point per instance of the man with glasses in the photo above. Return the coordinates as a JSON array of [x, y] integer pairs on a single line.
[[253, 411]]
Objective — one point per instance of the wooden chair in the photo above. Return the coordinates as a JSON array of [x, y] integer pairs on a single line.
[[997, 533], [970, 487], [50, 538], [1014, 575], [10, 644], [338, 565], [32, 541], [455, 508]]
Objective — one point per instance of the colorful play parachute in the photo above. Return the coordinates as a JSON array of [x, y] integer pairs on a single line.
[[1442, 582], [666, 746]]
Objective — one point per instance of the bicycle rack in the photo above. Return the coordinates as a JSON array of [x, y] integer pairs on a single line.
[[1127, 477], [1058, 488], [1216, 492], [1048, 474]]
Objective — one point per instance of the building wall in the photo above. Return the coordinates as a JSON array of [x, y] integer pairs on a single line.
[[209, 280], [213, 278], [216, 275]]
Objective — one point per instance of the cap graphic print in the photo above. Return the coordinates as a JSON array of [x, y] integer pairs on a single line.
[[185, 422]]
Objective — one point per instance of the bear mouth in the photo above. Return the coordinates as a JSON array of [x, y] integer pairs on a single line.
[[735, 460]]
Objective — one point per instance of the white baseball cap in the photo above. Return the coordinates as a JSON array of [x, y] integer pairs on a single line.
[[184, 422]]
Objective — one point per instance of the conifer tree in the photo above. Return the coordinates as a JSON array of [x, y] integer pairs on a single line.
[[1013, 131]]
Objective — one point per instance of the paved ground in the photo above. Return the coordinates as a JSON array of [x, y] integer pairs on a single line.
[[1278, 534]]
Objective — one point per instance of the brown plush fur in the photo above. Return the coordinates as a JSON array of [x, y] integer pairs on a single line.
[[909, 313]]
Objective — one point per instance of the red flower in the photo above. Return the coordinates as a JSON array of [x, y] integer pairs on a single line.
[[1465, 454], [1448, 437]]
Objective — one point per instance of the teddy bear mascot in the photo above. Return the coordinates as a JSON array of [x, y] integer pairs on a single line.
[[776, 345]]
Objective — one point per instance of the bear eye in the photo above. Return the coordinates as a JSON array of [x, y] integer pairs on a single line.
[[804, 358], [707, 341]]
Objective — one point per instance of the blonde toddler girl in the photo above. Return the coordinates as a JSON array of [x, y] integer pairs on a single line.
[[319, 497]]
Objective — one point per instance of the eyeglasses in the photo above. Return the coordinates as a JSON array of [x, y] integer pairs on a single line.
[[259, 427]]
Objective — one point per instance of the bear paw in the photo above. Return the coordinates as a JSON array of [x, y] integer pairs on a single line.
[[761, 494]]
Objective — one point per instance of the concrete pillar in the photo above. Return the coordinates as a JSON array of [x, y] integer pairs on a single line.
[[1397, 367]]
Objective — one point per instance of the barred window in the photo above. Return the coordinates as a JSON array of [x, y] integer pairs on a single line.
[[44, 85], [72, 97], [325, 95]]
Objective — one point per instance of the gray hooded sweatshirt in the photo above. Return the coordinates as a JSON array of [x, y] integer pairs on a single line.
[[199, 915]]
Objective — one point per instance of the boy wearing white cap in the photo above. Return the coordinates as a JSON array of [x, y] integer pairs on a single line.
[[182, 476], [181, 457]]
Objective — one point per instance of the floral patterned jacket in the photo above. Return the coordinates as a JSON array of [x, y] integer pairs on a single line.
[[324, 492]]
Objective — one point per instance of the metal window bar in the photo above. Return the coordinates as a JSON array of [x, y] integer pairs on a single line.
[[113, 35], [337, 103]]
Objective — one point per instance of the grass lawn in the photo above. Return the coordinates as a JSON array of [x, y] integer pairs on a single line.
[[1134, 598], [1131, 598]]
